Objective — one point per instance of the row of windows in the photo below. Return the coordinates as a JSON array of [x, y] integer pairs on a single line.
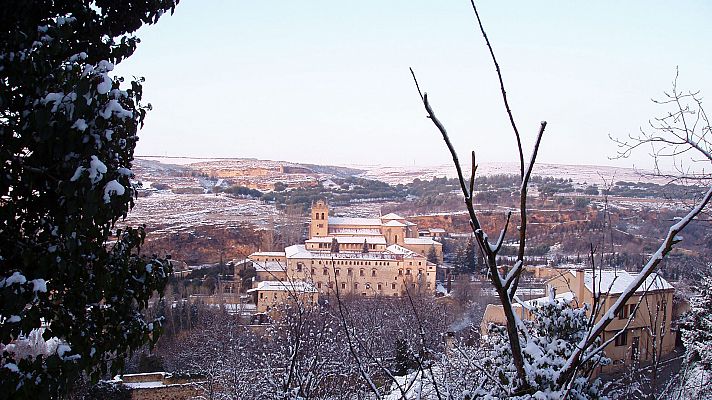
[[344, 262], [379, 286], [349, 271], [629, 310]]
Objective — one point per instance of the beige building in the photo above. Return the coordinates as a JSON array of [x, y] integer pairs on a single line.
[[358, 256], [269, 294], [390, 229], [649, 331]]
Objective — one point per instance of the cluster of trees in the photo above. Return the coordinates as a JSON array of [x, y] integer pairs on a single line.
[[312, 351], [351, 189]]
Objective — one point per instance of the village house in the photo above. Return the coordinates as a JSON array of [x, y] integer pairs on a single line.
[[649, 310], [270, 294]]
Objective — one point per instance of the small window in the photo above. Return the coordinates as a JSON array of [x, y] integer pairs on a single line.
[[380, 286], [360, 273], [373, 272], [349, 272], [622, 339], [407, 271], [337, 272], [623, 313], [393, 286], [631, 310], [318, 285], [299, 267], [326, 271], [343, 285], [356, 286]]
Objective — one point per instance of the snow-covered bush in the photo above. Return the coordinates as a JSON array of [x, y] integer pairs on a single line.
[[696, 332], [68, 132], [548, 340]]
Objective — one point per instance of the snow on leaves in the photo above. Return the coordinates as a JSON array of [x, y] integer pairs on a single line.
[[68, 130]]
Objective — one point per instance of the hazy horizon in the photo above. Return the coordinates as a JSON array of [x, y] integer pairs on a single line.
[[325, 83]]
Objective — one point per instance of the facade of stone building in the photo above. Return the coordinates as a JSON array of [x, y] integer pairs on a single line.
[[270, 294], [356, 256]]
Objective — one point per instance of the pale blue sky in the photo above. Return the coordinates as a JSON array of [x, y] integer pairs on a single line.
[[328, 81]]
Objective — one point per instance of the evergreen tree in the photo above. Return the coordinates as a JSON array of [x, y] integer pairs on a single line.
[[470, 256], [68, 133], [696, 327], [433, 255]]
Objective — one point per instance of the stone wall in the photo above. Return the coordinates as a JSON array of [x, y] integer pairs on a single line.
[[168, 392], [161, 386]]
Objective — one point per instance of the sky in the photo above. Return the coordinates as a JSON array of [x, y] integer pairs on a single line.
[[327, 82]]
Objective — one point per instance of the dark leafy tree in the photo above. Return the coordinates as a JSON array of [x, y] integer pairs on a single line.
[[470, 256], [433, 255], [67, 136]]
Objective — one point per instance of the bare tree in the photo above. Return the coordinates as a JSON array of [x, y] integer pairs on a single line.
[[684, 131]]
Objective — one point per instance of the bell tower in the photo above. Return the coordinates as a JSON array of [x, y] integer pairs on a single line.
[[319, 219]]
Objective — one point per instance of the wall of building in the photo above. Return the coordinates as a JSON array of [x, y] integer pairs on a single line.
[[648, 332], [268, 300], [367, 277]]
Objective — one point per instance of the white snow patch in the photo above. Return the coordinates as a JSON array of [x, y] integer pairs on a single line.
[[105, 85], [113, 188], [39, 285], [16, 277], [80, 124], [97, 169]]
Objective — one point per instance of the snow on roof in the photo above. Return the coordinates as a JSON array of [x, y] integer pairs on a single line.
[[268, 254], [354, 221], [355, 231], [566, 296], [410, 223], [396, 249], [278, 286], [436, 230], [298, 251], [144, 385], [421, 240], [349, 239], [394, 223], [391, 216], [269, 266], [616, 281]]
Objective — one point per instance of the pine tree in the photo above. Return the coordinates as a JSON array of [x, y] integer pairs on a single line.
[[68, 132], [470, 256], [433, 255], [696, 327]]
